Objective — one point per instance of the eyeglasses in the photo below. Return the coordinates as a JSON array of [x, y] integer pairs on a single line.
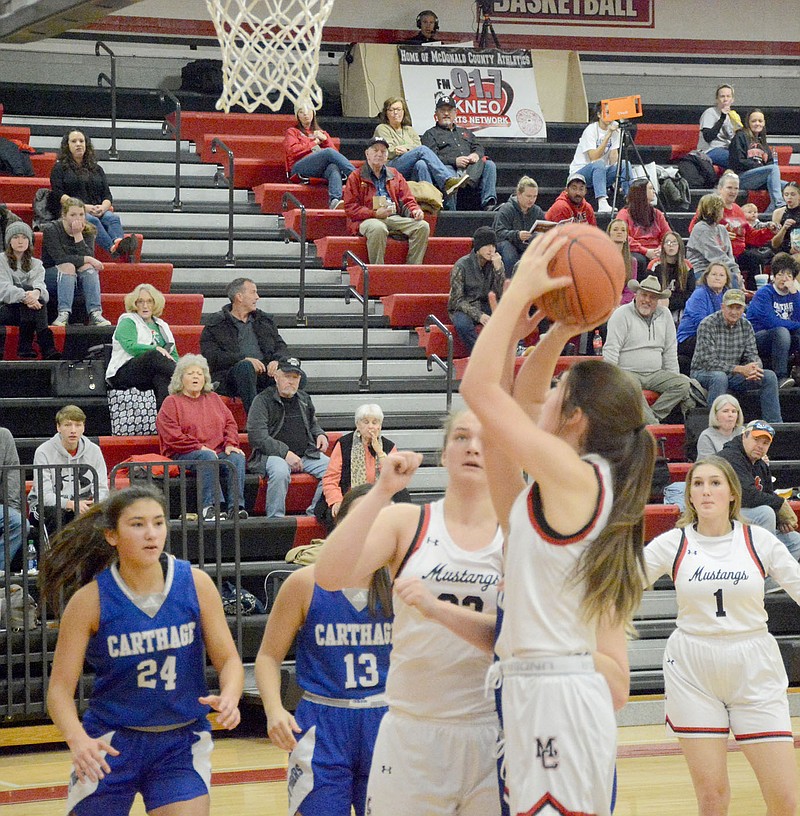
[[670, 243], [143, 301]]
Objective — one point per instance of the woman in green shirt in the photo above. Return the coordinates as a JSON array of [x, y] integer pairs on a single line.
[[143, 352]]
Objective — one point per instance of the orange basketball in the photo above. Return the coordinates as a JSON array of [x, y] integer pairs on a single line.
[[597, 269]]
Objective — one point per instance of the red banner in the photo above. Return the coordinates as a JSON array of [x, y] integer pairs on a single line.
[[628, 13]]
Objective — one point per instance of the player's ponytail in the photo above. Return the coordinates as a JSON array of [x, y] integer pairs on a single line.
[[612, 567]]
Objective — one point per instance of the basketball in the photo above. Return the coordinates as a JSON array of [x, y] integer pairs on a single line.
[[597, 269]]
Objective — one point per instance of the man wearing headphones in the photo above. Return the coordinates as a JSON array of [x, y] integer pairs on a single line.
[[428, 25]]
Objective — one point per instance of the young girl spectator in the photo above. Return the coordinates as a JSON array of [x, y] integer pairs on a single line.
[[343, 684], [596, 159], [23, 294], [674, 272], [723, 671], [310, 153], [647, 225], [617, 231], [787, 220], [146, 728], [574, 538], [68, 258], [709, 241], [751, 157], [77, 174], [435, 688]]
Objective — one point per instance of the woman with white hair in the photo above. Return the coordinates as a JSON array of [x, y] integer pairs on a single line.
[[195, 425], [355, 459], [725, 420], [310, 153], [143, 353]]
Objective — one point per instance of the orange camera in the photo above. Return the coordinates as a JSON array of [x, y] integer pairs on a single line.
[[621, 107]]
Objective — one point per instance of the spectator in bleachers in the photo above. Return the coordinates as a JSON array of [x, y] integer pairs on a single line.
[[459, 149], [705, 300], [9, 500], [77, 174], [67, 491], [647, 225], [194, 425], [355, 460], [285, 437], [143, 352], [408, 155], [617, 231], [378, 204], [774, 313], [6, 219], [717, 126], [787, 219], [709, 241], [726, 357], [675, 273], [725, 420], [472, 279], [23, 294], [514, 220], [571, 204], [310, 154], [68, 258], [761, 506], [242, 344], [750, 246], [596, 159], [750, 156], [640, 339]]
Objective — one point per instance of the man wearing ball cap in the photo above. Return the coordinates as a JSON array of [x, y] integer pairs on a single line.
[[726, 357], [379, 203], [571, 204], [641, 340], [472, 278]]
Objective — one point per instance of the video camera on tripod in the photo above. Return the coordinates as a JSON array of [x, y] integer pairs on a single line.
[[621, 108]]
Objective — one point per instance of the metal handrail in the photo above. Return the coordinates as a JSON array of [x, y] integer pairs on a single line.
[[112, 82], [216, 142], [163, 94], [363, 382], [432, 320], [286, 199]]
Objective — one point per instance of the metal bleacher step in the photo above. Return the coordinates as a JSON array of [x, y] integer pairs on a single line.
[[156, 249], [182, 223]]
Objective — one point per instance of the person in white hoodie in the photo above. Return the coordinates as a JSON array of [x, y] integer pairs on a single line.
[[640, 339], [143, 353], [61, 492]]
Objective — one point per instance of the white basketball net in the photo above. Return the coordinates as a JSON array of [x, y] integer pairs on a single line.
[[268, 46]]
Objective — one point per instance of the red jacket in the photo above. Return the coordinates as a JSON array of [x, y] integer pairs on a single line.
[[298, 143], [741, 233], [642, 238], [564, 209], [360, 189]]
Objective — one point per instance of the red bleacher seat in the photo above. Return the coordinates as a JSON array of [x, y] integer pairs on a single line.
[[319, 223], [245, 146], [434, 342], [670, 439], [440, 250], [195, 124], [187, 338], [121, 278], [179, 309], [659, 518], [268, 196], [18, 132], [678, 471], [24, 211], [21, 189], [43, 163], [236, 407], [407, 311], [389, 279]]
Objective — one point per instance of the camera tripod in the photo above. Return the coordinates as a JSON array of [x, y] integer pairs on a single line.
[[485, 29], [626, 144]]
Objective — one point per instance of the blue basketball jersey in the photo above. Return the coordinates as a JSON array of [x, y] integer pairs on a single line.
[[150, 670], [342, 650]]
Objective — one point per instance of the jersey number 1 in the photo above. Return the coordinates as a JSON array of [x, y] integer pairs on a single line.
[[721, 613]]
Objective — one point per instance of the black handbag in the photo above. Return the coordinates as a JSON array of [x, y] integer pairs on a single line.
[[79, 378]]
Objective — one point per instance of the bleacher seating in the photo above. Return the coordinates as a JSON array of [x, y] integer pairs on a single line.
[[331, 249]]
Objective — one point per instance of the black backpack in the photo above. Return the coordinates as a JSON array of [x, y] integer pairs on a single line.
[[675, 192], [698, 170], [13, 161], [42, 208]]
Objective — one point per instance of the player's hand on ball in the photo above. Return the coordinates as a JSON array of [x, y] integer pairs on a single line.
[[531, 279], [397, 469]]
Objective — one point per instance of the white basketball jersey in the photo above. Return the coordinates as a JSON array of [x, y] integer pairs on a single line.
[[542, 605], [720, 580], [433, 672]]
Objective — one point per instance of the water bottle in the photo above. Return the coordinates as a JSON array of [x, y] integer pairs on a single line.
[[33, 558], [597, 344]]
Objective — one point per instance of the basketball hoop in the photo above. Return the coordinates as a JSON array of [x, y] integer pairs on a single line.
[[269, 46]]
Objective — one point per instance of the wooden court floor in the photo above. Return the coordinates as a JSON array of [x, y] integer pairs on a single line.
[[249, 778]]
